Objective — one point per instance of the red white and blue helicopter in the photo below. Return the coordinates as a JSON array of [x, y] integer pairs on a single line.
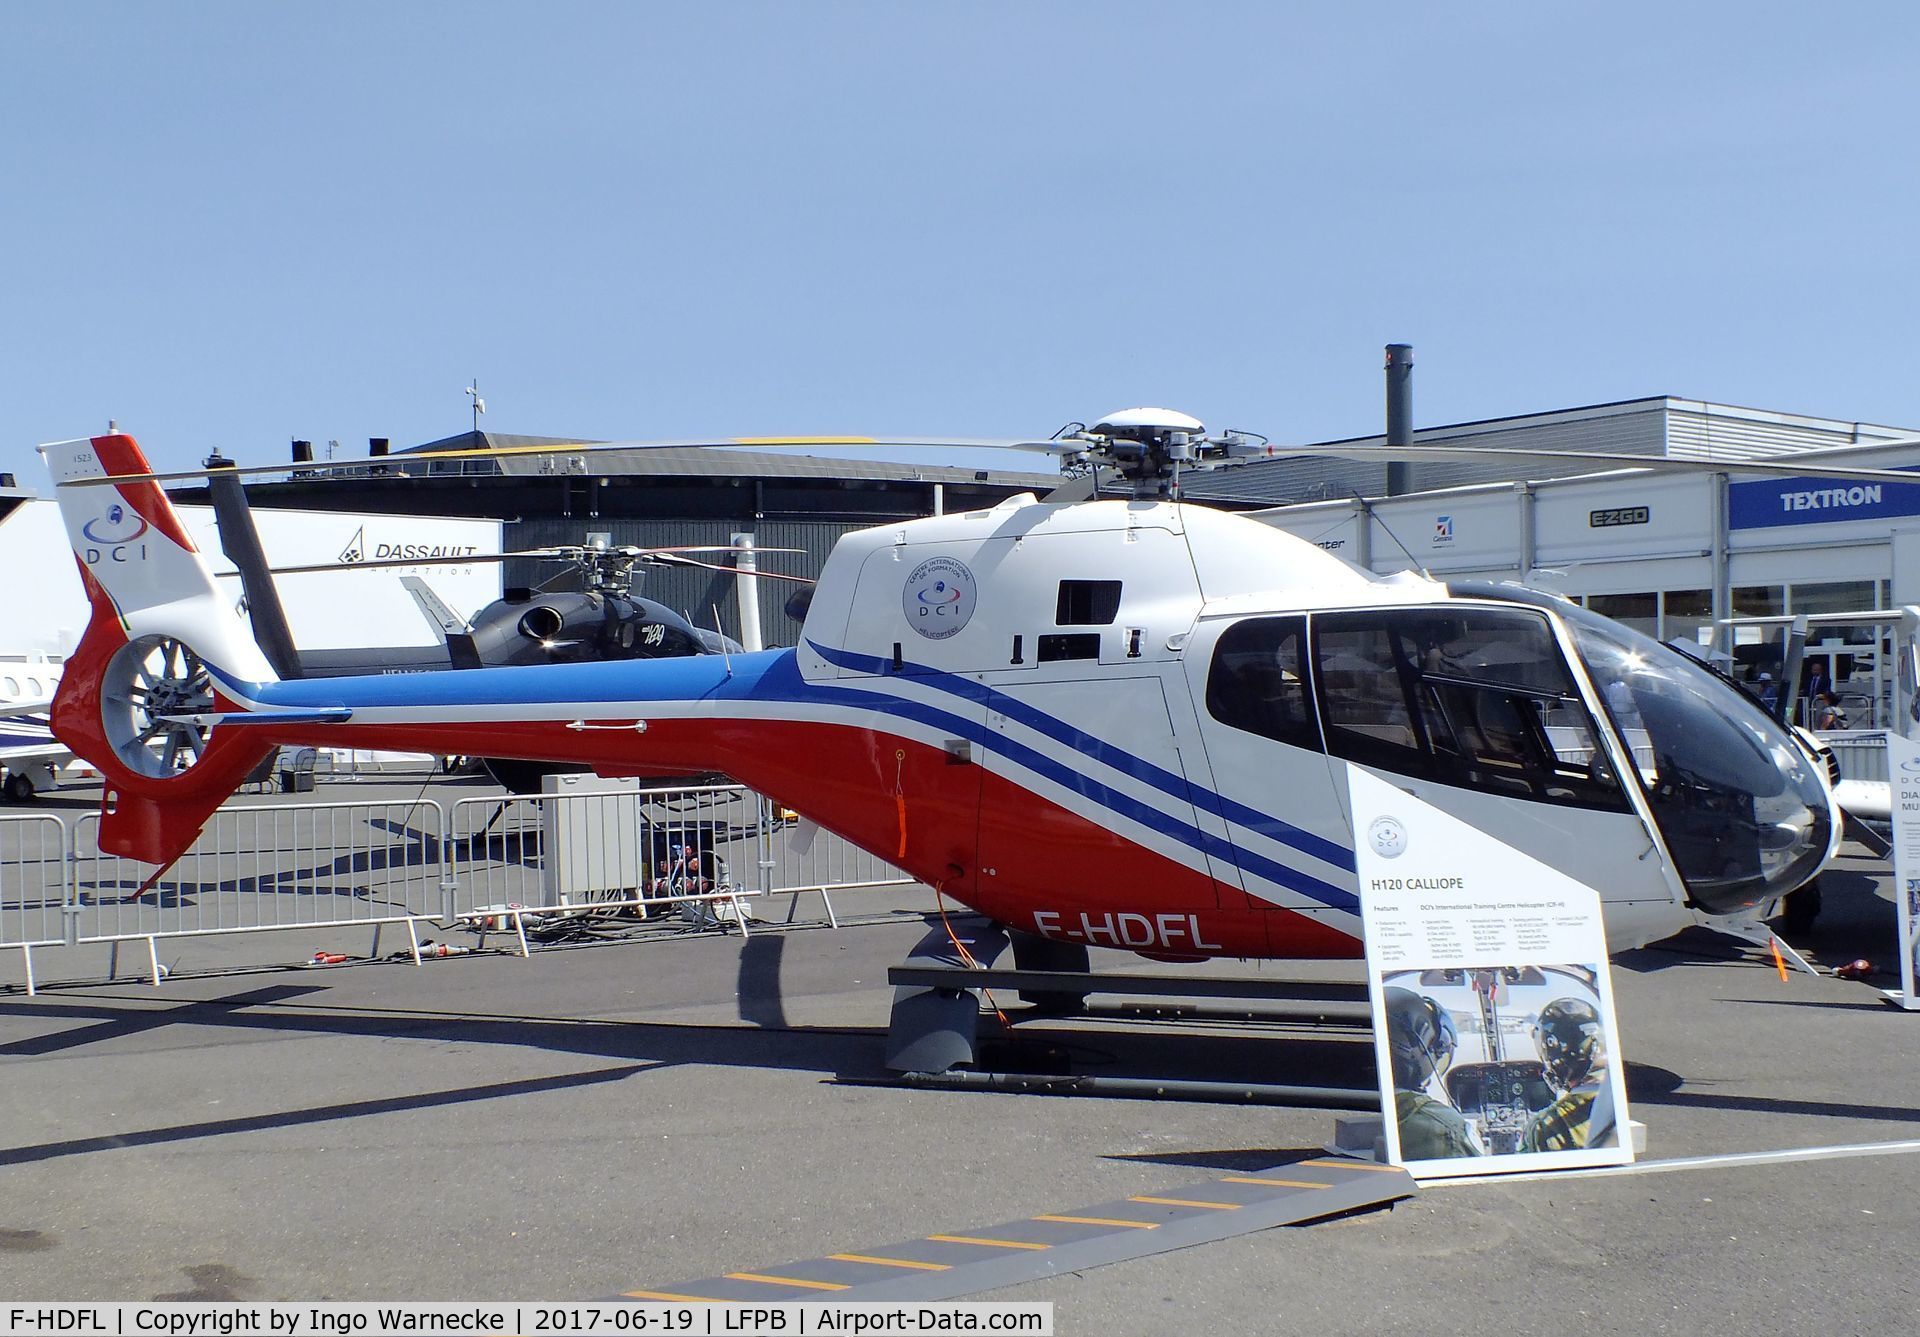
[[1119, 723]]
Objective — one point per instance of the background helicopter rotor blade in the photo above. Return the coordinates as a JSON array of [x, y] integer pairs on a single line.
[[534, 554], [734, 570]]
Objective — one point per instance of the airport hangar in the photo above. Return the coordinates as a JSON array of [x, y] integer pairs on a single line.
[[1668, 554]]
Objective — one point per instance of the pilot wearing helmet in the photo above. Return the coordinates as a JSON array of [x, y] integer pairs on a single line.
[[1420, 1042], [1573, 1054]]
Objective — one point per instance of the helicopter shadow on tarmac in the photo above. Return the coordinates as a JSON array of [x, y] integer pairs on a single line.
[[634, 1048], [764, 1038]]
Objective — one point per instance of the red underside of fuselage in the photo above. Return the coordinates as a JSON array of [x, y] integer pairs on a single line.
[[983, 840]]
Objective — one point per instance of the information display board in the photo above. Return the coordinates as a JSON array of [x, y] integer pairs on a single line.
[[1493, 1008], [1903, 769]]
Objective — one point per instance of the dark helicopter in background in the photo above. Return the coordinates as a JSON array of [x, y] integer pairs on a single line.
[[604, 619]]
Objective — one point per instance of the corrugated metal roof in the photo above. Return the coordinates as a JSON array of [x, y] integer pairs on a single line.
[[1658, 426]]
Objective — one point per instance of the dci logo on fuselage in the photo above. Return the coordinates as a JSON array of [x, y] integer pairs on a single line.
[[115, 536], [938, 598]]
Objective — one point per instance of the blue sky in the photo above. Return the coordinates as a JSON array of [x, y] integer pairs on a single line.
[[227, 225]]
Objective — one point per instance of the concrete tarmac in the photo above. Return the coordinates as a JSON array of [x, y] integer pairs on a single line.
[[602, 1119]]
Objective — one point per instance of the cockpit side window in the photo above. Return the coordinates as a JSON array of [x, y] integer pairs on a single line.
[[1258, 681], [1475, 697]]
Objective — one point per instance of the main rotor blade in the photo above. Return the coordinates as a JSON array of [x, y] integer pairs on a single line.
[[534, 554], [323, 468], [732, 570]]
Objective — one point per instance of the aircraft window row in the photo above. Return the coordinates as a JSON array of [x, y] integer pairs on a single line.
[[1479, 698], [1087, 603], [1687, 615], [1258, 681]]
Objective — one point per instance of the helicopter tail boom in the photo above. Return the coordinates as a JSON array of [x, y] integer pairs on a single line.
[[159, 640]]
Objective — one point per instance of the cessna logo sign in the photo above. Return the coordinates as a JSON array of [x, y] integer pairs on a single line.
[[359, 550]]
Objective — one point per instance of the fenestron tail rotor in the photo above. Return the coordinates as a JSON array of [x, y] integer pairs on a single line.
[[150, 688]]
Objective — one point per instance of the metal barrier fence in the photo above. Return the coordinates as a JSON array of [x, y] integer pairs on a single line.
[[34, 884], [1862, 755], [797, 857], [265, 867], [636, 849], [703, 851]]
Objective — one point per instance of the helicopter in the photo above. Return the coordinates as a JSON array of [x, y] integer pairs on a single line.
[[1119, 723], [604, 618]]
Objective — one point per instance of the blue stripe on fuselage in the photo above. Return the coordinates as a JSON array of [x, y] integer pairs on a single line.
[[774, 676], [1139, 768]]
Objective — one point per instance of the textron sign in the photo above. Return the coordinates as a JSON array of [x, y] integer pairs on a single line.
[[1816, 501]]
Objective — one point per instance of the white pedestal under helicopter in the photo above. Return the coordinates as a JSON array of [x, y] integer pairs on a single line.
[[1116, 722]]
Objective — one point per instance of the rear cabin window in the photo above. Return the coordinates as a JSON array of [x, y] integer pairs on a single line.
[[1479, 698], [1258, 681]]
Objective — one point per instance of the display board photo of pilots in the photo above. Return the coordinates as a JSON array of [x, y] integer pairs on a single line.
[[1499, 1061]]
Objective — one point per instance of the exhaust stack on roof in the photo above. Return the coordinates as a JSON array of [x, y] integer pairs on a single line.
[[1399, 415]]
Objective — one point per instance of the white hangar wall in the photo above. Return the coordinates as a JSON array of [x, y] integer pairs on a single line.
[[47, 610], [1667, 554]]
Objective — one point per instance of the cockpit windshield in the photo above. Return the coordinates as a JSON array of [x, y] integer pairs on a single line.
[[1743, 812]]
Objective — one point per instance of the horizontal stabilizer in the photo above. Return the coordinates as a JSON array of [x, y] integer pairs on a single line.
[[330, 715]]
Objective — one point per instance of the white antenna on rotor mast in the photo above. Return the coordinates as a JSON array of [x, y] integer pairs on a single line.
[[479, 404]]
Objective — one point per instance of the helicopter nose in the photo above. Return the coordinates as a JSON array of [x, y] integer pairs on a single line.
[[1746, 812], [1761, 849], [1785, 836]]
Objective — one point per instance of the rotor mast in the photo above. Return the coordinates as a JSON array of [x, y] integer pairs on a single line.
[[1151, 447]]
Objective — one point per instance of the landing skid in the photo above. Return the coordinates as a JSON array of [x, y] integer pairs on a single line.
[[933, 1036], [1756, 932]]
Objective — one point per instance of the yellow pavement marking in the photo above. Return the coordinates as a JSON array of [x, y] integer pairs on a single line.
[[1101, 1221], [1356, 1165], [669, 1295], [986, 1243], [1185, 1202], [1283, 1183], [788, 1281], [888, 1262]]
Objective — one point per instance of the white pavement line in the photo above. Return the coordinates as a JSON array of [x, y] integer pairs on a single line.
[[1835, 1152]]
